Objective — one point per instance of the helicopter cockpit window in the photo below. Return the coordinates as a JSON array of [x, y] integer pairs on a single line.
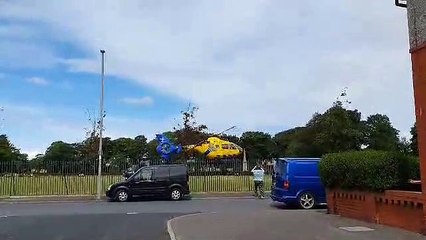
[[225, 146]]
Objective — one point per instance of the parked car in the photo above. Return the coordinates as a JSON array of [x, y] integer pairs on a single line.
[[169, 180], [296, 181]]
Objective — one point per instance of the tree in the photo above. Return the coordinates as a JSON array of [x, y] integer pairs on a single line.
[[152, 149], [258, 145], [11, 159], [302, 144], [336, 130], [414, 147], [404, 146], [379, 134], [284, 139], [88, 150], [127, 151], [141, 145], [37, 163], [189, 131], [61, 157], [7, 150]]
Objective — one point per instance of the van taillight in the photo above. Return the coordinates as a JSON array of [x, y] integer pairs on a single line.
[[286, 184]]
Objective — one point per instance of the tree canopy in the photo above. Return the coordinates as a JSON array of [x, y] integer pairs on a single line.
[[379, 134], [413, 141], [337, 129]]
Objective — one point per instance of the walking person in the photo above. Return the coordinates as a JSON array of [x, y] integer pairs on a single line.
[[258, 177]]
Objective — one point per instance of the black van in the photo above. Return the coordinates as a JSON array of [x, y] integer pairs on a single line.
[[169, 180]]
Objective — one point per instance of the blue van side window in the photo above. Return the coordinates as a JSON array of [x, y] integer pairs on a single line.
[[305, 169]]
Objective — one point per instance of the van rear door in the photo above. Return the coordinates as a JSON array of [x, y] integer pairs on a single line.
[[280, 174]]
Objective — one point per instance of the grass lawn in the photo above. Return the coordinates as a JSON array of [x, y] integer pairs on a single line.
[[86, 185]]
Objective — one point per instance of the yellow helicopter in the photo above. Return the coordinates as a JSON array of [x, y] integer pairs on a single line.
[[215, 148]]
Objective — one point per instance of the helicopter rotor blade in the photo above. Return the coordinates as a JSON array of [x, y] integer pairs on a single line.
[[226, 130], [190, 147]]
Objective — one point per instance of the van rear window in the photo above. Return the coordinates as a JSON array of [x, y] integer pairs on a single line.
[[280, 167]]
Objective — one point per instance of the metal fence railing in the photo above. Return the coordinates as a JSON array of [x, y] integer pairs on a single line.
[[32, 178]]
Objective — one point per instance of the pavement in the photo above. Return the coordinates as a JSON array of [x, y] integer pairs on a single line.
[[74, 198], [278, 222], [202, 219]]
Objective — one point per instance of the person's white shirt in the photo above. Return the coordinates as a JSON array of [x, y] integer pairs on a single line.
[[258, 174]]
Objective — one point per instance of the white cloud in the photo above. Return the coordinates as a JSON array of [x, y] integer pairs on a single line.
[[255, 64], [25, 55], [33, 127], [16, 31], [122, 126], [38, 81], [143, 101]]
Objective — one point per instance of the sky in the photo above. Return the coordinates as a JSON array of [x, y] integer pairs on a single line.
[[257, 64]]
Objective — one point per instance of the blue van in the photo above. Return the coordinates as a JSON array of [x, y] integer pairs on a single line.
[[296, 181]]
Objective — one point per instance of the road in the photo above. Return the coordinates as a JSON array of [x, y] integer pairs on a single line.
[[106, 220], [223, 218]]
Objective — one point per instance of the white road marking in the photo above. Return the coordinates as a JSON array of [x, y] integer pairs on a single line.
[[356, 229], [3, 216], [131, 213], [169, 223]]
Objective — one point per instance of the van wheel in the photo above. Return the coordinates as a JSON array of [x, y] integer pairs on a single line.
[[176, 194], [121, 195], [307, 201]]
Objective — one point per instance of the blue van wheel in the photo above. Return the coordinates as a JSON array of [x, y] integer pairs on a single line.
[[307, 200]]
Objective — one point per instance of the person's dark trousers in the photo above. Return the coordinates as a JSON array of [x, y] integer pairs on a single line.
[[258, 189]]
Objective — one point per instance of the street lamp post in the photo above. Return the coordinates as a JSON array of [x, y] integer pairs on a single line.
[[401, 3], [101, 126]]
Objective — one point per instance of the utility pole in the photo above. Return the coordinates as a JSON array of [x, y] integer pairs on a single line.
[[101, 126]]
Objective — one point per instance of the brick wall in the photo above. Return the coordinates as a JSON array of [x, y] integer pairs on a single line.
[[418, 58], [393, 208]]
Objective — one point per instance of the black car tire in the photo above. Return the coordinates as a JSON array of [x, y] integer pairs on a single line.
[[307, 200], [122, 195], [176, 194]]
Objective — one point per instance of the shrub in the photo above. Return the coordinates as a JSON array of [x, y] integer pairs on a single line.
[[368, 170], [414, 166]]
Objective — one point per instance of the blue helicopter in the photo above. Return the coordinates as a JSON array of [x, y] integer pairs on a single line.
[[166, 148]]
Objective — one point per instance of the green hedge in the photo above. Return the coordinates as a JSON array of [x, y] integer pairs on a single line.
[[368, 170]]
